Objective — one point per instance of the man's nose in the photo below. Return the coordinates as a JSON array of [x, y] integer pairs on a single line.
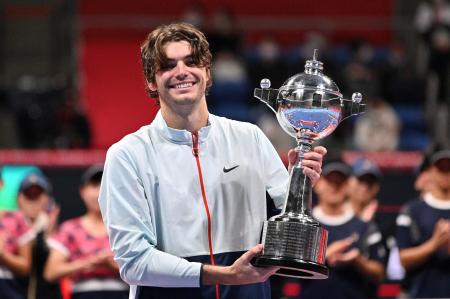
[[181, 69]]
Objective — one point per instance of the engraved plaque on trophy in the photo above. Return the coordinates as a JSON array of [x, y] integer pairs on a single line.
[[308, 107]]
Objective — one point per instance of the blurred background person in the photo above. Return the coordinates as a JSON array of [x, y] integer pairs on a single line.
[[15, 253], [364, 185], [41, 214], [80, 249], [379, 128], [423, 180], [423, 233], [194, 14], [432, 22], [355, 254], [225, 34], [395, 270]]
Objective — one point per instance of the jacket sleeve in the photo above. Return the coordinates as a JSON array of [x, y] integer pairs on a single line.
[[132, 232], [277, 176]]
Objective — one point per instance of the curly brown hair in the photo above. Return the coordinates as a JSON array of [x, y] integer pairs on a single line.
[[153, 55]]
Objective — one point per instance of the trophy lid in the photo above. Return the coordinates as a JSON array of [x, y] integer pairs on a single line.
[[311, 79]]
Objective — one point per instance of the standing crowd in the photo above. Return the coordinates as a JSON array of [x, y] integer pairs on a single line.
[[37, 254]]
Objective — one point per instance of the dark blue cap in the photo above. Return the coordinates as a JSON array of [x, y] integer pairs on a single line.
[[363, 166], [92, 175], [336, 166], [440, 155], [35, 179]]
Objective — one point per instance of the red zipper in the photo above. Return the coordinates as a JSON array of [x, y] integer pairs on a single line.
[[195, 152]]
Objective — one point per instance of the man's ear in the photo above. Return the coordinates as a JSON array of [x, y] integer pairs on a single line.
[[208, 73], [152, 86]]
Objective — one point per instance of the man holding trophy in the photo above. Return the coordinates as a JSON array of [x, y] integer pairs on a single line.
[[184, 198]]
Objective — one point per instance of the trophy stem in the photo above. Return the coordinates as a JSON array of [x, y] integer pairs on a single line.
[[299, 197]]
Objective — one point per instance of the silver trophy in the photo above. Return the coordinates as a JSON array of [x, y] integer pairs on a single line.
[[309, 107]]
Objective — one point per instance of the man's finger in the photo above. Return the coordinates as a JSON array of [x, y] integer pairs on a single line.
[[315, 165], [312, 174], [313, 156], [321, 150], [254, 251]]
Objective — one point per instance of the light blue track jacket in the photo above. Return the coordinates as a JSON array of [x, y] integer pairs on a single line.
[[152, 204]]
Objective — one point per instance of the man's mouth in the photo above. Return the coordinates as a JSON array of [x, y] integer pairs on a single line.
[[182, 85]]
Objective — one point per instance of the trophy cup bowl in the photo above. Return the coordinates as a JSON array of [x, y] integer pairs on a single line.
[[308, 107]]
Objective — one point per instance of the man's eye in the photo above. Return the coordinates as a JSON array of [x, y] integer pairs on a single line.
[[190, 61], [167, 66]]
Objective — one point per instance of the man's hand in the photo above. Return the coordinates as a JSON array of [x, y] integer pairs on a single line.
[[241, 272], [312, 162]]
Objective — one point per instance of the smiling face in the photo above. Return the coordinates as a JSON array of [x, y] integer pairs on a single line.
[[179, 80], [154, 52]]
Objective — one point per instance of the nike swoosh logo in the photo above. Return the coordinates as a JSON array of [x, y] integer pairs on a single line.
[[229, 169]]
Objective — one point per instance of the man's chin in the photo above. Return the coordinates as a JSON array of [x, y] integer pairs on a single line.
[[187, 98]]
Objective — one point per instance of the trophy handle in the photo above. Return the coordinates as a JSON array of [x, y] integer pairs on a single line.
[[268, 96], [351, 107]]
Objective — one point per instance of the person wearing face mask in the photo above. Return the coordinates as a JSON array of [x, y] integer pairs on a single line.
[[423, 233], [184, 198], [80, 249], [355, 254]]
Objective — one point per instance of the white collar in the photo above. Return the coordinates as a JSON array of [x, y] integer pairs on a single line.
[[437, 203], [332, 220], [181, 136]]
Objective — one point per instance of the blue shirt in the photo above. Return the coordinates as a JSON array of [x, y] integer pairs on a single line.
[[345, 281], [415, 225]]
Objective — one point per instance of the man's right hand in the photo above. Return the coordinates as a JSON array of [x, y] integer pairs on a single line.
[[241, 272]]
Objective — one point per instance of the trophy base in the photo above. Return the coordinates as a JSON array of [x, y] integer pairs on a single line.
[[297, 247], [293, 267]]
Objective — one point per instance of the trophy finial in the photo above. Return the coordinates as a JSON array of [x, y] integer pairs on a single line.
[[314, 66], [356, 97], [265, 83]]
